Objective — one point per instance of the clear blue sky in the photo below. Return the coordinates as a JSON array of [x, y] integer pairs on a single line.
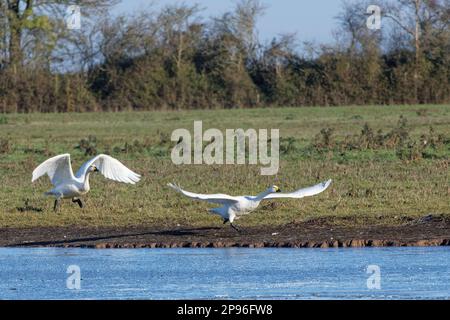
[[312, 20]]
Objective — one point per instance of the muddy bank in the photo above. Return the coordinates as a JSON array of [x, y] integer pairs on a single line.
[[427, 231]]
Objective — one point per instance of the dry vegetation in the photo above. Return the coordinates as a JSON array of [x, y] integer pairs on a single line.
[[175, 57], [389, 165]]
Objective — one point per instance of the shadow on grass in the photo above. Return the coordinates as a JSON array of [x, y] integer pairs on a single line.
[[28, 208]]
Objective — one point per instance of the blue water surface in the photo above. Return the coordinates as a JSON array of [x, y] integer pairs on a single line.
[[235, 273]]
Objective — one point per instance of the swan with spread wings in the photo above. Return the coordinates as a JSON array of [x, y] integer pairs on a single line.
[[68, 185], [234, 207]]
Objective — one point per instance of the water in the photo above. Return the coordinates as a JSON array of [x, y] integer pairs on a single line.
[[405, 273]]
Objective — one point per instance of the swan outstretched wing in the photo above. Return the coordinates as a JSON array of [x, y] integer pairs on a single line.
[[212, 198], [57, 168], [300, 193], [110, 168]]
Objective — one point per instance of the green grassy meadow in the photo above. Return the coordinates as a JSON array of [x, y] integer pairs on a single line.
[[387, 163]]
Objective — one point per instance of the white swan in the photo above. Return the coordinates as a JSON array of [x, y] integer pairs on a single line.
[[234, 207], [68, 185]]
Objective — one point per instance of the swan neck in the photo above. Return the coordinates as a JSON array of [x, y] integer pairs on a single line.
[[86, 181], [262, 195]]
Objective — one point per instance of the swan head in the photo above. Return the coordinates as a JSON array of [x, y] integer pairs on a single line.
[[274, 189], [92, 169]]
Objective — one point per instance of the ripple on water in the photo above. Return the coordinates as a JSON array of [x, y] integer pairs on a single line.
[[235, 273]]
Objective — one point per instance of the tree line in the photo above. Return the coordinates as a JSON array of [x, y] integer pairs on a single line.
[[174, 58]]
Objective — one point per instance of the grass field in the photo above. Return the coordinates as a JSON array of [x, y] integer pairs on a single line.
[[392, 169]]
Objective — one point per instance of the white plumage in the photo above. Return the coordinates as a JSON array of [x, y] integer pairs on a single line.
[[234, 207], [68, 185], [301, 193]]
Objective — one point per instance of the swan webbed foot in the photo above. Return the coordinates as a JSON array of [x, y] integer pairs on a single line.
[[80, 203]]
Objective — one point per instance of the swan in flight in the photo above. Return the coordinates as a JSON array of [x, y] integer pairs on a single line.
[[68, 185], [234, 207]]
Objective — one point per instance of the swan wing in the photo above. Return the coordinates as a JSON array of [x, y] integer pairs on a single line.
[[57, 168], [110, 168], [212, 198], [301, 193]]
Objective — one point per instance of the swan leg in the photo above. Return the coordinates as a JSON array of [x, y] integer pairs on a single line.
[[234, 227], [57, 204], [231, 224], [76, 200]]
